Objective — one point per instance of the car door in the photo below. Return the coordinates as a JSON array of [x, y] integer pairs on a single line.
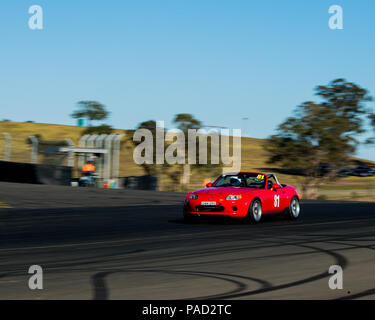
[[275, 198], [284, 198]]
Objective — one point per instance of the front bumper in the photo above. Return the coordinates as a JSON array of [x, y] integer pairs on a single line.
[[234, 208]]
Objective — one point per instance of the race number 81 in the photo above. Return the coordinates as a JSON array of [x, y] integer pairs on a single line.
[[276, 202]]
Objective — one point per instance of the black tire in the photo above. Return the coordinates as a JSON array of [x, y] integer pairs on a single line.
[[254, 214], [294, 209]]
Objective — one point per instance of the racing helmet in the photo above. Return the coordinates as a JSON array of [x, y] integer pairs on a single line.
[[235, 181]]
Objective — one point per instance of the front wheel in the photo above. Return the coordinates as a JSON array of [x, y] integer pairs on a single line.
[[255, 211], [294, 209]]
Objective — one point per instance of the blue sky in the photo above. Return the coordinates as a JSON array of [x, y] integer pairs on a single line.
[[219, 60]]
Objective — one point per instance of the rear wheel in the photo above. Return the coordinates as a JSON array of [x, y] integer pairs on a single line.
[[294, 209], [255, 211]]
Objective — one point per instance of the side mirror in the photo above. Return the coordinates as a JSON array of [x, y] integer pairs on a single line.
[[276, 186], [209, 185]]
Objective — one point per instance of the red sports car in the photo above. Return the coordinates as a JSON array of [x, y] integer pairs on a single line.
[[243, 194]]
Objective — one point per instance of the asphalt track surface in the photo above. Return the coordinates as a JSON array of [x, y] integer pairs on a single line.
[[122, 244]]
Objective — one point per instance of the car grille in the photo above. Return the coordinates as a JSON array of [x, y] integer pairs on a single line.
[[210, 208]]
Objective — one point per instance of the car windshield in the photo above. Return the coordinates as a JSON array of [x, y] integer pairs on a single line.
[[246, 180]]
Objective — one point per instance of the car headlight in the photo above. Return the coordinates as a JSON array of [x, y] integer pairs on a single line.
[[193, 196], [233, 197]]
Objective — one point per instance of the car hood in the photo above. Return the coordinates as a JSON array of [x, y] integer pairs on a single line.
[[224, 191]]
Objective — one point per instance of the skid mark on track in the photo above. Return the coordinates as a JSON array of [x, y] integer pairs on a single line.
[[101, 291]]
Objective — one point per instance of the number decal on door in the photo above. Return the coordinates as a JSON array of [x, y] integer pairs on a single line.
[[276, 202]]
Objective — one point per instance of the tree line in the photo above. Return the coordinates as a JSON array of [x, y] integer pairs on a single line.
[[320, 138]]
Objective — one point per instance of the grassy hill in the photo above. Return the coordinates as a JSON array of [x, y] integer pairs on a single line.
[[253, 159]]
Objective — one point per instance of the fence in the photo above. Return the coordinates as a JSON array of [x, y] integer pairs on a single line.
[[15, 148], [50, 157]]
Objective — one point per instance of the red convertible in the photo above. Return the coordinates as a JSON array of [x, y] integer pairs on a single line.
[[243, 194]]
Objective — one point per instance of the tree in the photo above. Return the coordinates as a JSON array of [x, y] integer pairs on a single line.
[[174, 172], [186, 121], [100, 129], [372, 120], [90, 110], [321, 134], [93, 111]]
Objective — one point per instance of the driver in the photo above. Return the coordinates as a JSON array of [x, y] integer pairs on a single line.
[[235, 182]]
